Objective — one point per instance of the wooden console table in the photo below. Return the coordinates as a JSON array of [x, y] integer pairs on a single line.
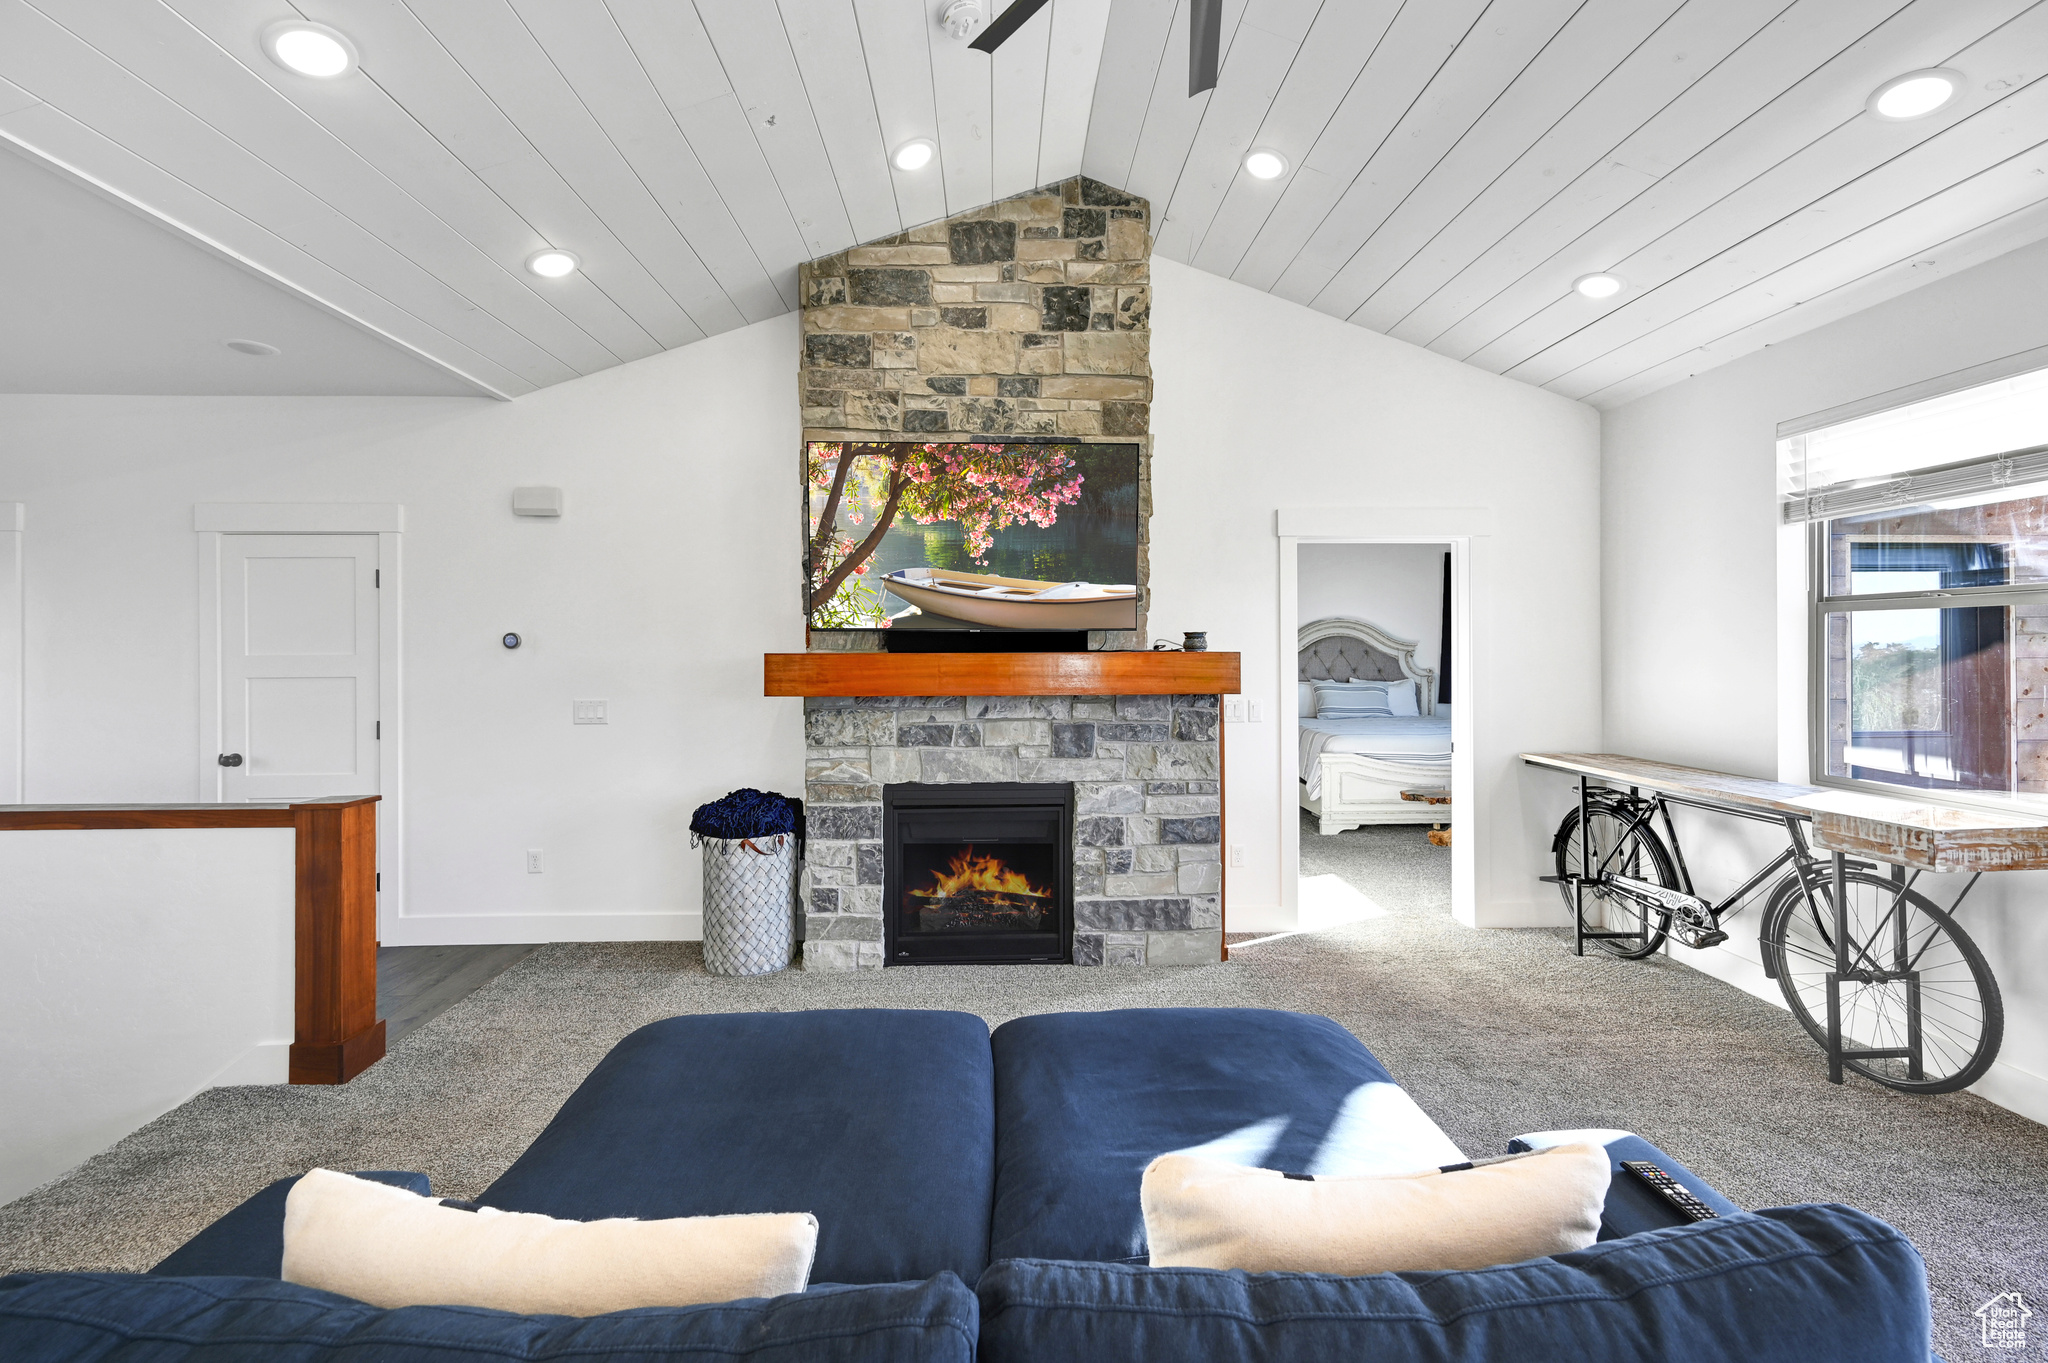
[[1903, 829], [337, 1033]]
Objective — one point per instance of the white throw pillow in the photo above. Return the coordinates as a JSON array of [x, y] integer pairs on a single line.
[[1306, 694], [390, 1247], [1203, 1213]]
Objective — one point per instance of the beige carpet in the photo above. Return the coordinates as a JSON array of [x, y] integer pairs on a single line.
[[1495, 1033]]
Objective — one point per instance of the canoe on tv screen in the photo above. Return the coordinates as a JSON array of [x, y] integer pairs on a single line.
[[1024, 536]]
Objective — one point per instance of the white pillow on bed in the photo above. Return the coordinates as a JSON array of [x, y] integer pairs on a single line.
[[1307, 699]]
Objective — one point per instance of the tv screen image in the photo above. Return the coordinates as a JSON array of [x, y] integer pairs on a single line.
[[954, 536]]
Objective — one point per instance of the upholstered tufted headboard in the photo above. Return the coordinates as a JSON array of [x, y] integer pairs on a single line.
[[1343, 648]]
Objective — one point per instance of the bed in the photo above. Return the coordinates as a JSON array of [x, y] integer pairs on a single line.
[[1352, 771]]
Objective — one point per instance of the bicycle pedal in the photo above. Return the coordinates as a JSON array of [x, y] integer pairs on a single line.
[[1698, 938]]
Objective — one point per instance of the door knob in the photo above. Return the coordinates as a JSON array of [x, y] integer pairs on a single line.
[[231, 759]]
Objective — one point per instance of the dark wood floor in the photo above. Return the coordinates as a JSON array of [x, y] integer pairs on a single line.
[[415, 985]]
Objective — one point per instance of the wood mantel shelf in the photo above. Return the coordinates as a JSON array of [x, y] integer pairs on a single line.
[[1130, 673]]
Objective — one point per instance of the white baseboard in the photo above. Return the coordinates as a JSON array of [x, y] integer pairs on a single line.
[[2008, 1086], [1258, 918], [267, 1062], [1523, 913], [2015, 1090], [481, 929]]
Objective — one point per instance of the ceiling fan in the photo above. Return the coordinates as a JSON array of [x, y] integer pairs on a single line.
[[1205, 25]]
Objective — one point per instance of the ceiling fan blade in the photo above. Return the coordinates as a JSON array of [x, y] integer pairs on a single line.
[[1005, 24], [1205, 32]]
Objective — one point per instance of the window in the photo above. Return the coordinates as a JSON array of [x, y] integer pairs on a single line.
[[1929, 572]]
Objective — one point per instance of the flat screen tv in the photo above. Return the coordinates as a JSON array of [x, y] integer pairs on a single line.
[[1037, 536]]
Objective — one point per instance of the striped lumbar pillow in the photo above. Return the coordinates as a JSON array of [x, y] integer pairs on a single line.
[[1356, 699]]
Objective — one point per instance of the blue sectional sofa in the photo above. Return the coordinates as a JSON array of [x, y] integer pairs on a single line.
[[977, 1198]]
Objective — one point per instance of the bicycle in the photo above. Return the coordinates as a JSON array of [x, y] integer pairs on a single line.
[[1878, 974]]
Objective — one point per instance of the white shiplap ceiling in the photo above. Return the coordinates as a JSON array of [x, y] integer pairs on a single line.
[[102, 300], [1454, 164]]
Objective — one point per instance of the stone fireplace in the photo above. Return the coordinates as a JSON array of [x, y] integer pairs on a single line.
[[1146, 853], [1029, 318]]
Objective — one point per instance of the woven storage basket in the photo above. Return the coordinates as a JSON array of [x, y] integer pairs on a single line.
[[748, 893]]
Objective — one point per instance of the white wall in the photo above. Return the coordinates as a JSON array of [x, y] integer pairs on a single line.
[[1704, 628], [1260, 404], [137, 967], [674, 569], [1399, 587], [11, 522]]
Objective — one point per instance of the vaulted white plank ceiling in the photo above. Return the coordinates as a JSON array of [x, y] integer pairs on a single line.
[[1452, 165]]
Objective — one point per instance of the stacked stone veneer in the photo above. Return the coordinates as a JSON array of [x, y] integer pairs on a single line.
[[1148, 874], [1029, 318]]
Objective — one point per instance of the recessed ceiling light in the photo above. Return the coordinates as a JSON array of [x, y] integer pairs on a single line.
[[552, 264], [252, 347], [1915, 94], [915, 155], [1266, 165], [1598, 285], [309, 49]]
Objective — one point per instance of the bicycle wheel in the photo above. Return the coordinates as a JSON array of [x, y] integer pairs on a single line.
[[1637, 853], [1948, 1008]]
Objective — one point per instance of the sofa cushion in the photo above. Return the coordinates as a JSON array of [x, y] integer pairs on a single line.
[[1084, 1101], [1631, 1204], [115, 1318], [248, 1242], [1792, 1285], [876, 1121]]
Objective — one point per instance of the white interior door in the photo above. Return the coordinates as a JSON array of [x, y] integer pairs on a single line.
[[298, 666]]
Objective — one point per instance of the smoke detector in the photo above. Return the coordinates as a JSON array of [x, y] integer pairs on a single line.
[[962, 19]]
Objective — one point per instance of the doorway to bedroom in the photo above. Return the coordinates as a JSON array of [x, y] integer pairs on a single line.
[[1375, 668]]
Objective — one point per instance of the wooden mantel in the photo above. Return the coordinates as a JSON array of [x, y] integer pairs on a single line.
[[1129, 673], [338, 1034]]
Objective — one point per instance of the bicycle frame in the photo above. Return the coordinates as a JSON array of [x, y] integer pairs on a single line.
[[1646, 810]]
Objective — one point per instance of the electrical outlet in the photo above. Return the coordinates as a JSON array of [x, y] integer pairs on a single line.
[[590, 712], [533, 861], [1233, 711], [1237, 854]]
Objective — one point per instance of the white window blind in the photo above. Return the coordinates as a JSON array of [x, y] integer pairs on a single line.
[[1992, 438]]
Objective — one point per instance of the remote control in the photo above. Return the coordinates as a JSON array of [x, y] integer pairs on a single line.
[[1670, 1189]]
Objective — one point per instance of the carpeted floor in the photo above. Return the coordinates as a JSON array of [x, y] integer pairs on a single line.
[[1494, 1033]]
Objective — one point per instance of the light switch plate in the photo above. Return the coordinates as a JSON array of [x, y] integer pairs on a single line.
[[1233, 711], [590, 712], [1254, 712]]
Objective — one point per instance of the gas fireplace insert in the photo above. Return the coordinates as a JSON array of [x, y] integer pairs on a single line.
[[978, 873]]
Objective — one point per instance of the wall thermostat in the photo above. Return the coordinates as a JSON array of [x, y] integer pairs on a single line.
[[511, 641], [536, 501]]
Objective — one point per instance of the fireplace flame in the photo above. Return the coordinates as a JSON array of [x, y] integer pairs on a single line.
[[983, 872]]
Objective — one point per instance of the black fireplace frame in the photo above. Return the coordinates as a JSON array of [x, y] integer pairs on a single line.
[[989, 948]]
